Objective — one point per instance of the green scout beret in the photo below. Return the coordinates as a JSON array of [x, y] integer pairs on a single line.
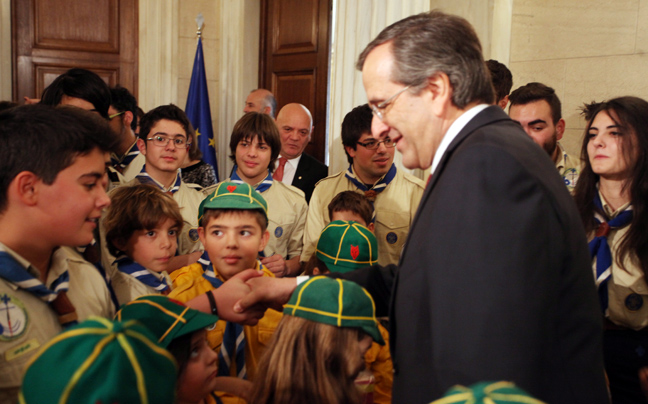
[[166, 318], [231, 195], [335, 302], [100, 361], [345, 246], [487, 393]]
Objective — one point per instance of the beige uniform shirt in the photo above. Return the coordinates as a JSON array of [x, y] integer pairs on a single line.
[[188, 197], [395, 209], [569, 168], [287, 210], [27, 322], [128, 288], [627, 287]]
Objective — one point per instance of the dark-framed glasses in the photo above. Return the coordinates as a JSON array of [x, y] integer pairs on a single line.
[[379, 108], [163, 141], [374, 144]]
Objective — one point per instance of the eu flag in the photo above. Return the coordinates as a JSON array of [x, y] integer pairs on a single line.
[[198, 111]]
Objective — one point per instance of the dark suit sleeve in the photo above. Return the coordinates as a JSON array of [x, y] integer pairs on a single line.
[[377, 279]]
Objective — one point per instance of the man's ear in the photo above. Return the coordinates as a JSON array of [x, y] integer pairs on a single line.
[[25, 187], [127, 118], [351, 151], [264, 240], [371, 227], [503, 102], [267, 110], [560, 129], [440, 93], [141, 145]]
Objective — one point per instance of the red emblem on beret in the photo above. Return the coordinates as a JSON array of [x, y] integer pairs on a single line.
[[355, 251], [231, 188]]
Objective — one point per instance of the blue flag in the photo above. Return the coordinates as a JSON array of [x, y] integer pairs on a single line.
[[198, 111]]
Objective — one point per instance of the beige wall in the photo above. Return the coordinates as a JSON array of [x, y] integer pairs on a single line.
[[585, 50]]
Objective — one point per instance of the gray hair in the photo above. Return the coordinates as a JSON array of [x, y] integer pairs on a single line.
[[434, 42]]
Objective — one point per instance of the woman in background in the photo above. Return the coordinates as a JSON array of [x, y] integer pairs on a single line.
[[612, 194]]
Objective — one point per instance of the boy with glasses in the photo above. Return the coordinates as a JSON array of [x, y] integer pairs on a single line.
[[394, 194], [165, 137]]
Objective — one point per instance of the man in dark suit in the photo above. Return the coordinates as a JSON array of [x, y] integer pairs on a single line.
[[294, 167], [494, 282]]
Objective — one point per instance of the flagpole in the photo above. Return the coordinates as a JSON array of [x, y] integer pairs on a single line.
[[200, 20], [197, 109]]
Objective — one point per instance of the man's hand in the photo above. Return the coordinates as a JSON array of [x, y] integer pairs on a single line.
[[267, 293], [229, 293], [275, 264]]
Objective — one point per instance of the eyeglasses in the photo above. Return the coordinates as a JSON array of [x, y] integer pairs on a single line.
[[163, 141], [374, 144], [377, 109], [115, 115]]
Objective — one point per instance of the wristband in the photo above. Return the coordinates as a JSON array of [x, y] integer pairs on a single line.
[[212, 303]]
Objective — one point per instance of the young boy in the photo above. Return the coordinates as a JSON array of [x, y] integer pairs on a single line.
[[100, 361], [52, 192], [350, 205], [343, 247], [142, 226], [346, 246], [182, 330], [165, 134], [255, 145], [233, 229]]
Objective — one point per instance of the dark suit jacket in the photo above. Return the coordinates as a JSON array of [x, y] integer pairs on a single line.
[[495, 281], [309, 171]]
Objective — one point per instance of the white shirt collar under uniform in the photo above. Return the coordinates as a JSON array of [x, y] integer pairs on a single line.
[[453, 131]]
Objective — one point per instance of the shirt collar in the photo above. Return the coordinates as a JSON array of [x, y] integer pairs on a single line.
[[453, 131], [293, 162]]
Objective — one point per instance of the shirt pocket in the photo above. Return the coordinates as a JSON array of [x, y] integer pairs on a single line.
[[280, 227], [391, 231]]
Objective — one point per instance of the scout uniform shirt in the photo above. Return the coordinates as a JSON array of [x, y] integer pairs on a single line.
[[188, 197], [568, 167], [131, 280], [28, 323], [189, 282], [287, 211], [395, 208], [627, 287]]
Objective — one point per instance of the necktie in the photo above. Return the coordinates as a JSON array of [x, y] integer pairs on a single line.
[[128, 266], [233, 346], [56, 297], [279, 172], [377, 188], [600, 248], [260, 188], [144, 178]]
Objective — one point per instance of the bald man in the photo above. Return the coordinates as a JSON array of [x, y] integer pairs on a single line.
[[261, 100], [294, 167]]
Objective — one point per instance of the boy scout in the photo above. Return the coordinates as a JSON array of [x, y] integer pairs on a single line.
[[395, 194], [233, 229], [255, 145], [165, 136], [52, 192]]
